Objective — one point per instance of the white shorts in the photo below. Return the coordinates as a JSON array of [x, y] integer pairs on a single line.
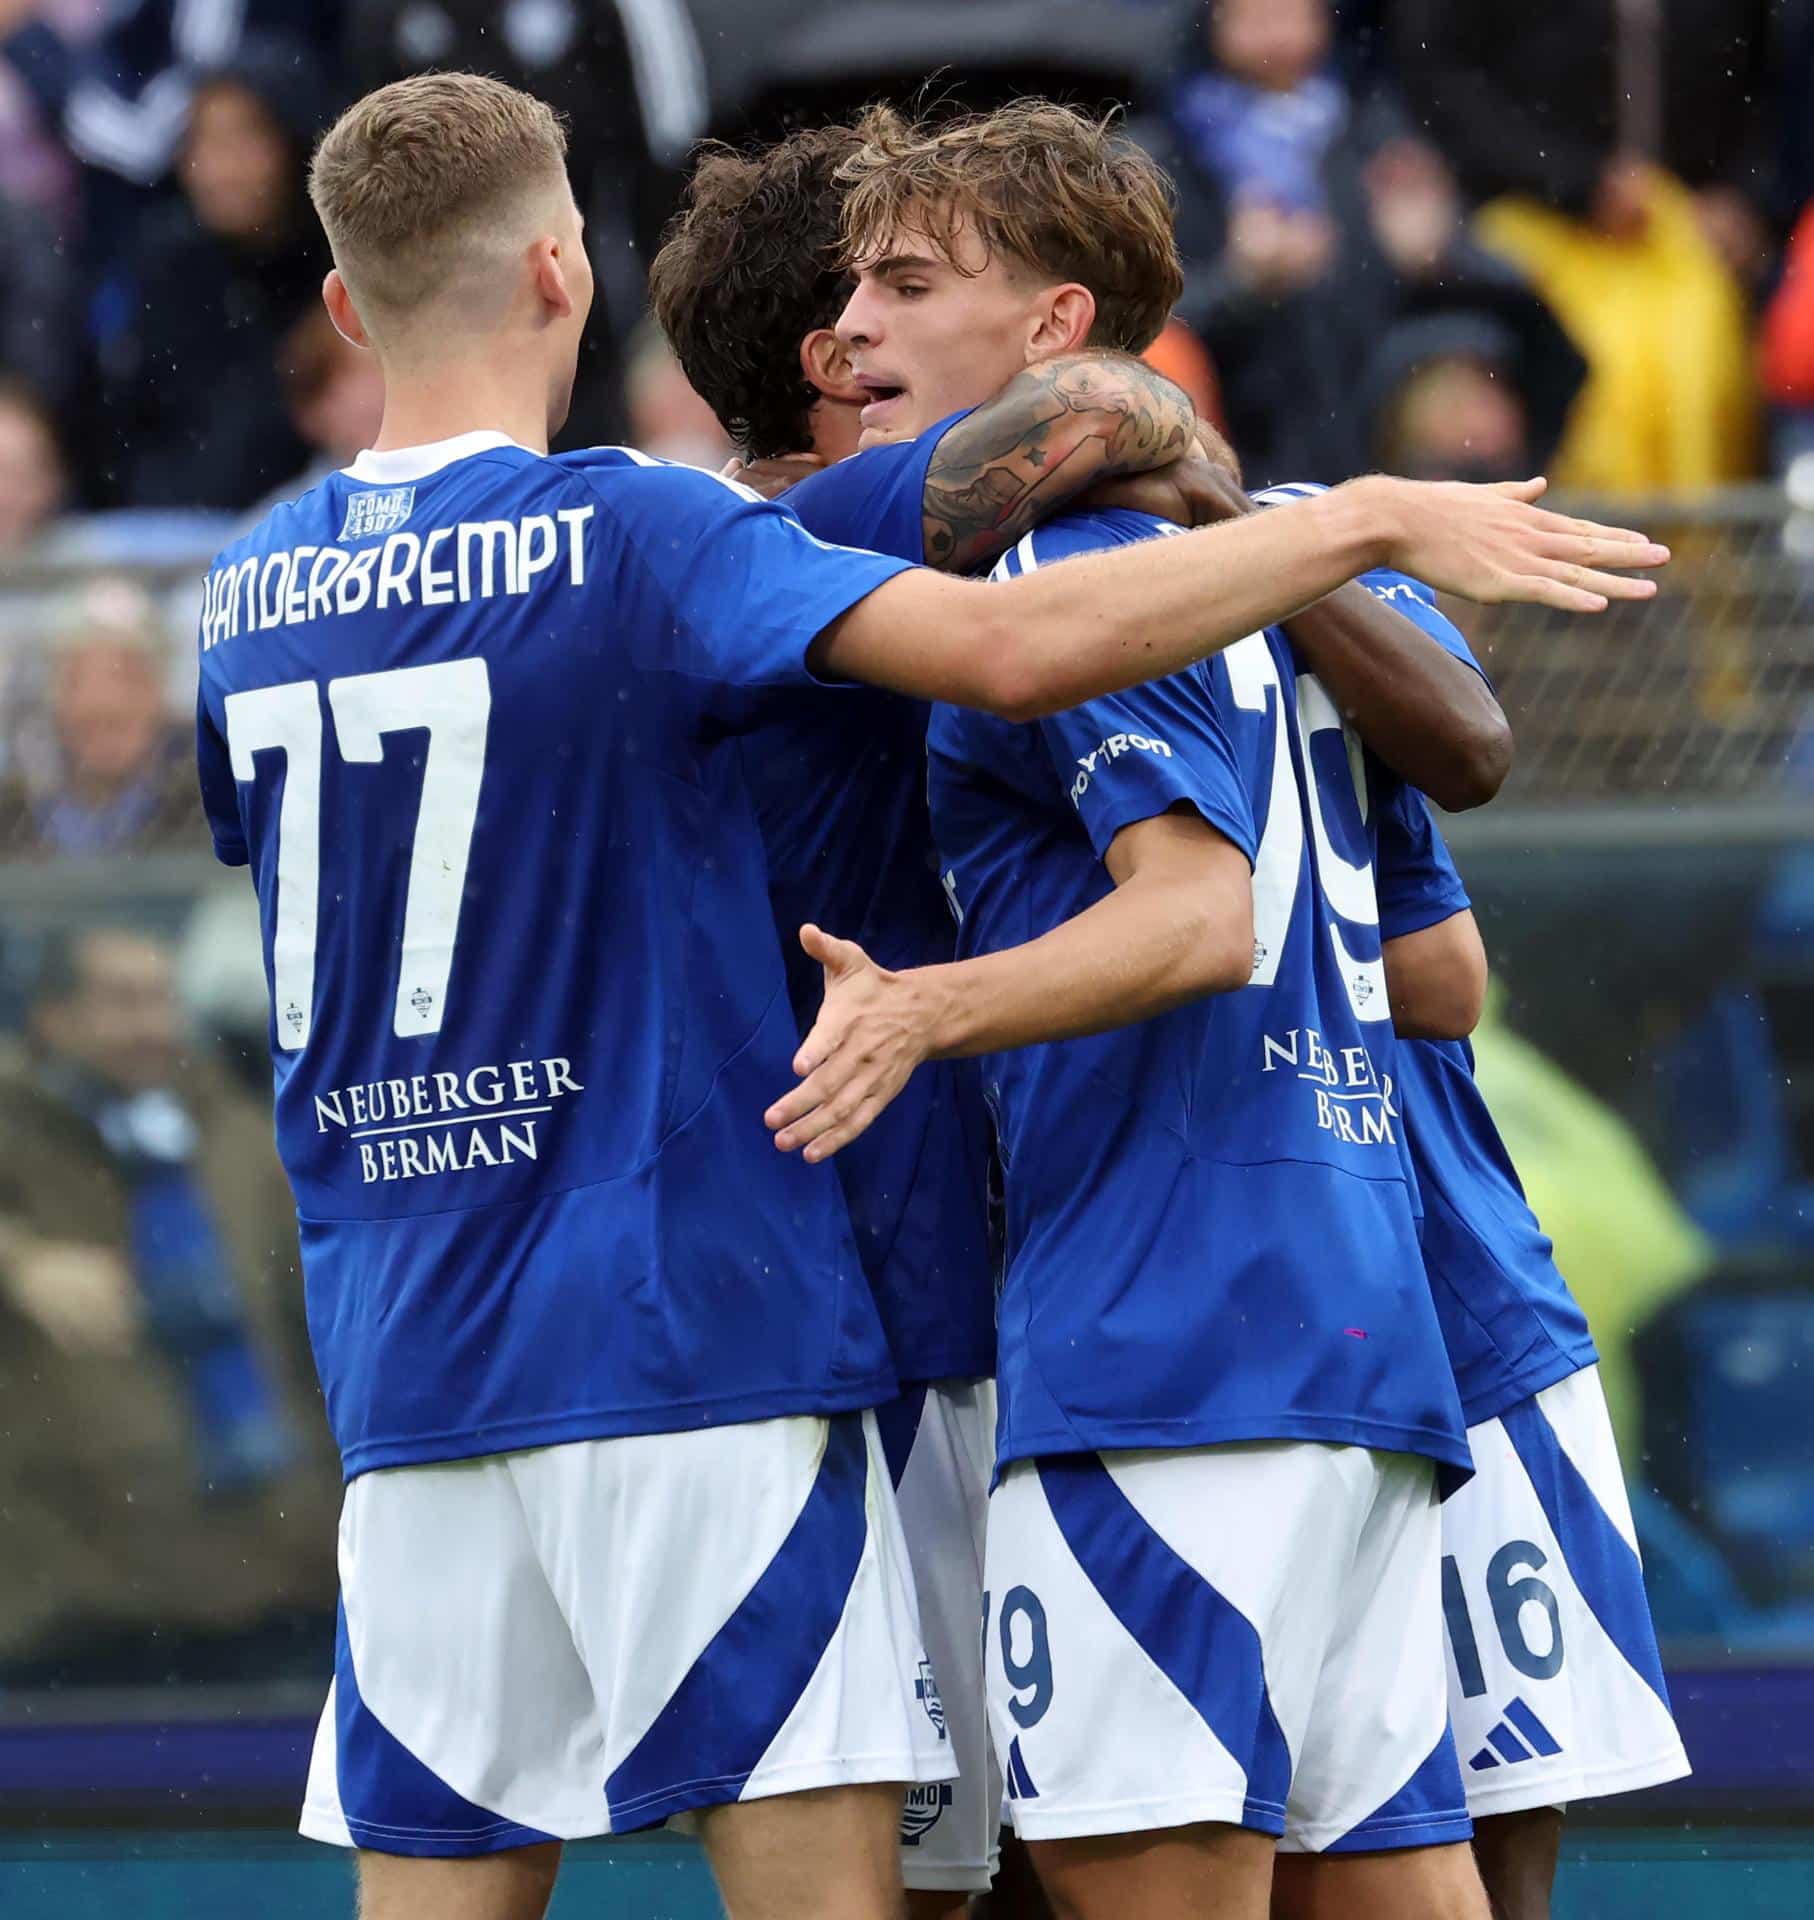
[[1244, 1634], [1555, 1689], [940, 1444], [585, 1639]]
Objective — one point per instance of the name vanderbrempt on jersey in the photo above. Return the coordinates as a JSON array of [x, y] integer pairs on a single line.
[[473, 560], [445, 1122]]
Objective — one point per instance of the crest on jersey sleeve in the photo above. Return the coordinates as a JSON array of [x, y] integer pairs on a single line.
[[925, 1691], [377, 510]]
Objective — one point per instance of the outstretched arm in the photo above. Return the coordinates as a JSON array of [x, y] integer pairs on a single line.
[[1052, 432], [1178, 926], [1062, 635]]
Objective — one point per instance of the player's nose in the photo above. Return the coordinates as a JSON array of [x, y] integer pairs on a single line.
[[857, 325]]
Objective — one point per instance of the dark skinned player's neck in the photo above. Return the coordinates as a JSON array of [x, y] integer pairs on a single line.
[[835, 427]]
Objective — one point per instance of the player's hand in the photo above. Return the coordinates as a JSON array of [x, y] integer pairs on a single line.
[[872, 1031], [1494, 543], [1201, 488], [774, 476], [80, 1297]]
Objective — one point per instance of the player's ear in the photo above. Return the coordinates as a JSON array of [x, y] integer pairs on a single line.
[[341, 310], [548, 265], [825, 361], [1062, 321]]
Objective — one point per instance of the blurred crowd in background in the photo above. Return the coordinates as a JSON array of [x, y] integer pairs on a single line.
[[1451, 239]]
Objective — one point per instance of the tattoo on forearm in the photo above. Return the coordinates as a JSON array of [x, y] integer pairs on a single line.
[[1049, 435]]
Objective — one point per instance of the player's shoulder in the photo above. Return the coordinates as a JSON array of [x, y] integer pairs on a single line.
[[627, 474], [287, 524], [1070, 534]]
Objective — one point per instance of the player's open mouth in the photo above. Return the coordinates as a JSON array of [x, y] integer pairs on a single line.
[[882, 400]]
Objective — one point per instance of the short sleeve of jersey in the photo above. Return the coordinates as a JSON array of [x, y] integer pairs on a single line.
[[1418, 884], [741, 588], [220, 791], [875, 499], [1418, 605], [1131, 756]]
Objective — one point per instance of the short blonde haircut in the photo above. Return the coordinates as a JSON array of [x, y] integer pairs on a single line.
[[415, 178]]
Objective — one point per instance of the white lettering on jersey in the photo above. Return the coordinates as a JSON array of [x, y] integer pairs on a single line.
[[488, 1116], [488, 557], [1112, 749], [1353, 1098]]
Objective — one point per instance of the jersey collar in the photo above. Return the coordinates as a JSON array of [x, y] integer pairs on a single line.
[[397, 464]]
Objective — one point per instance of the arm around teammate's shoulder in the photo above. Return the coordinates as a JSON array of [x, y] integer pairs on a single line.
[[1104, 621], [1053, 432]]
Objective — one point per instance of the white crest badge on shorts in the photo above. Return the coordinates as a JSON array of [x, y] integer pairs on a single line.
[[920, 1811], [377, 510], [925, 1691]]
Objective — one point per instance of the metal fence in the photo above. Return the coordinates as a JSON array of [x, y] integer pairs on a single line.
[[1704, 694]]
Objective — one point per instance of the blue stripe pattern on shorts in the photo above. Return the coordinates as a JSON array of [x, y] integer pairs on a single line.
[[392, 1800], [1429, 1810], [1599, 1558], [898, 1424], [1206, 1647], [724, 1716]]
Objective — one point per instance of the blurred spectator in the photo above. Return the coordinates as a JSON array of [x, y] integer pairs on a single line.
[[1321, 243], [39, 343], [120, 100], [1786, 347], [32, 475], [630, 78], [667, 418], [35, 165], [1447, 398], [217, 281], [144, 1231], [103, 766], [1628, 152], [335, 395]]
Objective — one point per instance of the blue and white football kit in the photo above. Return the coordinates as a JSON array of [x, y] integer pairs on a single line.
[[840, 788], [1556, 1691], [1213, 1558], [471, 714]]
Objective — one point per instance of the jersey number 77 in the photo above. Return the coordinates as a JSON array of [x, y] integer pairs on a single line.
[[451, 702]]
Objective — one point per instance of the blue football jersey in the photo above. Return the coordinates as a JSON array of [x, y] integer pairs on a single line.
[[473, 717], [840, 788], [874, 499], [1511, 1325], [840, 791], [1210, 1232]]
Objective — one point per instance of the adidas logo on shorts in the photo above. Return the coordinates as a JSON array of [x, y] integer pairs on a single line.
[[1503, 1743]]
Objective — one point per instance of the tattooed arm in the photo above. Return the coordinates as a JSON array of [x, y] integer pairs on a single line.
[[1048, 436]]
